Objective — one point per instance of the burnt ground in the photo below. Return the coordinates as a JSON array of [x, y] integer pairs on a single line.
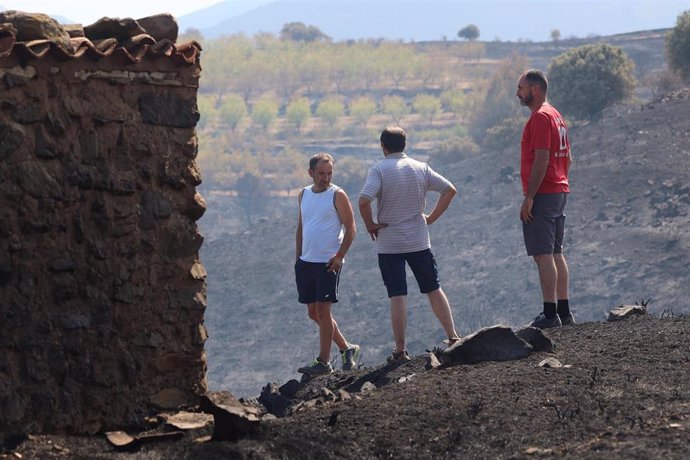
[[624, 392]]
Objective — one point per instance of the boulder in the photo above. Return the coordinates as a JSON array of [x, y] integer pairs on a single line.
[[232, 420], [36, 26], [537, 338], [120, 29], [626, 311], [497, 343], [160, 27]]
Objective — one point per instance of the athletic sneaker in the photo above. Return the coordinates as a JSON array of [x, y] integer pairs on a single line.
[[542, 322], [399, 357], [316, 367], [350, 357], [568, 320]]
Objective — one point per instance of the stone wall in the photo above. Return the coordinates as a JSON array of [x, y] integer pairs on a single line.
[[102, 293]]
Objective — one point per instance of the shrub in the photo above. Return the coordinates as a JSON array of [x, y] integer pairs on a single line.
[[678, 46], [586, 80]]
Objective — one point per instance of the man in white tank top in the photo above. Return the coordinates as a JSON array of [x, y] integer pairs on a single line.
[[325, 231]]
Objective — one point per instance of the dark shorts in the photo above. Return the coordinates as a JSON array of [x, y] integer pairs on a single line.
[[315, 283], [423, 267], [544, 233]]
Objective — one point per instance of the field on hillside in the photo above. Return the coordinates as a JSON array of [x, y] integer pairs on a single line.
[[627, 241]]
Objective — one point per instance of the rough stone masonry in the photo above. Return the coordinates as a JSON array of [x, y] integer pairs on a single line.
[[102, 294]]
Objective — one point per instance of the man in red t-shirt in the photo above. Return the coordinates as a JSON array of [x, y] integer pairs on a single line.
[[544, 164]]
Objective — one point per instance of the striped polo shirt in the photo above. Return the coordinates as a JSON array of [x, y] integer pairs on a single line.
[[399, 185]]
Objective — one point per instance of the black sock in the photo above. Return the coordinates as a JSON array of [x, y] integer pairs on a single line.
[[550, 309], [563, 308]]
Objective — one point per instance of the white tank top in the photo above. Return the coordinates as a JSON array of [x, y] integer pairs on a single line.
[[322, 231]]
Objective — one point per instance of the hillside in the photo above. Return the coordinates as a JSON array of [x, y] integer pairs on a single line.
[[420, 20], [627, 240], [622, 393]]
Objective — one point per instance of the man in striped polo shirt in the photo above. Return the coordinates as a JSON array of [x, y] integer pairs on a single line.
[[400, 233]]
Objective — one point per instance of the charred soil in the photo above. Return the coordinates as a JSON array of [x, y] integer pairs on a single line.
[[623, 392]]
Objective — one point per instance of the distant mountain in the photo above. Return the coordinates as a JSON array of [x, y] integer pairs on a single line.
[[213, 15], [422, 20]]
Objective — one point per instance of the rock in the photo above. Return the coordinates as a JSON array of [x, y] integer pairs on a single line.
[[36, 26], [188, 420], [169, 398], [10, 140], [232, 421], [289, 388], [342, 395], [106, 27], [168, 109], [626, 311], [160, 27], [431, 362], [497, 343], [536, 337], [326, 394], [274, 402], [551, 362], [123, 441], [367, 386]]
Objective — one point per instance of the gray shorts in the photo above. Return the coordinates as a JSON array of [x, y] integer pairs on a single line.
[[544, 233]]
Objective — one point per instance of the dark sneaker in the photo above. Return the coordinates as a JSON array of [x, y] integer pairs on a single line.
[[315, 368], [568, 320], [399, 357], [350, 357], [542, 322]]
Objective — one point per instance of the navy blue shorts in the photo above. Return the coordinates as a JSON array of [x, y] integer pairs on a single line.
[[544, 233], [423, 267], [315, 283]]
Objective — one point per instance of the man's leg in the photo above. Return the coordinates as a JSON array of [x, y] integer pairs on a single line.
[[548, 276], [563, 276], [399, 320], [326, 328], [441, 308], [338, 337]]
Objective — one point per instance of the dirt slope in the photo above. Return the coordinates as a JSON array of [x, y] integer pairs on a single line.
[[624, 393]]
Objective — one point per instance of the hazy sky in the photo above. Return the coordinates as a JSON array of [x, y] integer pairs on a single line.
[[88, 12]]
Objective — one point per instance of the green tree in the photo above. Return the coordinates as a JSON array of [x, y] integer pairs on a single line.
[[585, 80], [251, 194], [362, 109], [454, 100], [207, 111], [232, 110], [678, 46], [396, 107], [191, 33], [453, 150], [499, 101], [299, 32], [470, 32], [427, 106], [330, 110], [298, 111], [265, 111], [555, 35], [350, 173]]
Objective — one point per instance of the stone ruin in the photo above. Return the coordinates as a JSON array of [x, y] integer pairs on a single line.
[[102, 294]]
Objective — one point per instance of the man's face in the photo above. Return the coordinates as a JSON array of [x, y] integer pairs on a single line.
[[524, 92], [322, 175]]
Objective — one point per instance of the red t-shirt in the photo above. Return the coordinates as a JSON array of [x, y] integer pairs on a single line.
[[546, 129]]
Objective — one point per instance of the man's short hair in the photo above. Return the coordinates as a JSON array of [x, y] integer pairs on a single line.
[[537, 77], [394, 139], [314, 161]]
